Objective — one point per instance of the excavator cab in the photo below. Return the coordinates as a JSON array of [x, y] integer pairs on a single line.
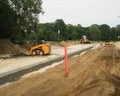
[[40, 48]]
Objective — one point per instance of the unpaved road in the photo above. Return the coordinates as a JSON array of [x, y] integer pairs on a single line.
[[96, 73], [15, 64]]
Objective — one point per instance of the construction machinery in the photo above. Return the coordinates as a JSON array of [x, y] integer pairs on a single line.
[[108, 43], [84, 40], [40, 48]]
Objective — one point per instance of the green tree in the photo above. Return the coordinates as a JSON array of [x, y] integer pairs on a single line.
[[74, 34], [24, 14], [105, 32], [70, 29], [47, 32], [113, 34], [118, 30], [8, 19], [94, 32], [80, 31], [61, 26]]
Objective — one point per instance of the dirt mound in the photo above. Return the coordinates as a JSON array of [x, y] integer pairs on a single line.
[[67, 43], [96, 73], [63, 43], [72, 42], [103, 77], [117, 44], [7, 47], [109, 53]]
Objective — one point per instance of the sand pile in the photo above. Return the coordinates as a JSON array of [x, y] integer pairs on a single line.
[[96, 73], [102, 78], [7, 47], [63, 43], [22, 49], [117, 44], [72, 42], [67, 43]]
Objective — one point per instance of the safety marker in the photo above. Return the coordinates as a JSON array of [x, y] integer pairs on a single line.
[[66, 61]]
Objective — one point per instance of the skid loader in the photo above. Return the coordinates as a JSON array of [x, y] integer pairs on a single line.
[[40, 48]]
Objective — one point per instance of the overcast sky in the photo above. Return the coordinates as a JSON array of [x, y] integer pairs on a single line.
[[84, 12]]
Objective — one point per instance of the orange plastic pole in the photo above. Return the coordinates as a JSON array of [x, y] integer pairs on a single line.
[[66, 62]]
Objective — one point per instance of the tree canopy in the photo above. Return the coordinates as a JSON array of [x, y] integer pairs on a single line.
[[19, 22], [75, 32], [18, 16], [94, 32], [105, 32]]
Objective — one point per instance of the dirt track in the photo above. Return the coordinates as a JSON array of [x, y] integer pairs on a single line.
[[96, 73]]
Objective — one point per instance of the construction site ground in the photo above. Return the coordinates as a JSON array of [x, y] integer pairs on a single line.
[[94, 73], [18, 63]]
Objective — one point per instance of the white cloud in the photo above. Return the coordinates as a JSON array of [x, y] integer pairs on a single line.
[[84, 12]]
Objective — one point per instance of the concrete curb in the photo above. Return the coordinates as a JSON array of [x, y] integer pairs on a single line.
[[17, 73]]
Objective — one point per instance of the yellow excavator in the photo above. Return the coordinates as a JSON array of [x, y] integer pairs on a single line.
[[40, 48], [84, 40], [109, 43]]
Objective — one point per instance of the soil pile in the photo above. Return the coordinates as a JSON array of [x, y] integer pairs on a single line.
[[68, 43], [72, 42], [7, 47], [96, 73], [117, 44], [63, 43]]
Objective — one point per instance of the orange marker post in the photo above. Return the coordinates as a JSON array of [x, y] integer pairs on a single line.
[[66, 62]]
